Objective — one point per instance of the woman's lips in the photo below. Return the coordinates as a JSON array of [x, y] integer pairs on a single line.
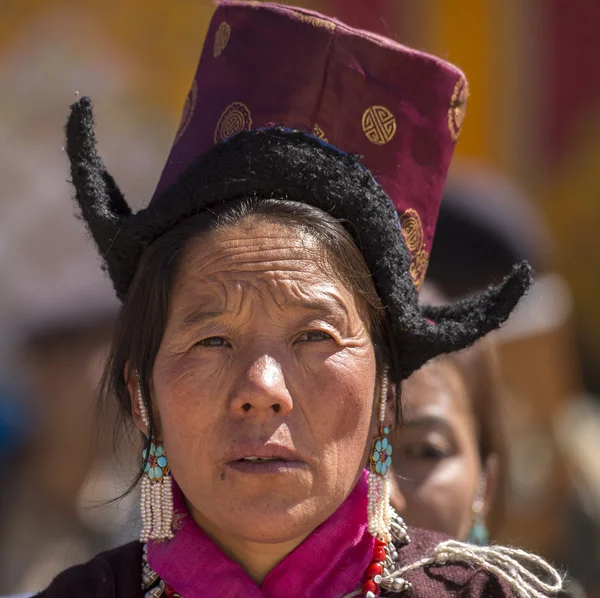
[[264, 457], [266, 466]]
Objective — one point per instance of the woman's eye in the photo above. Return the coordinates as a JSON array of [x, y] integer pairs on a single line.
[[425, 451], [213, 341], [314, 336]]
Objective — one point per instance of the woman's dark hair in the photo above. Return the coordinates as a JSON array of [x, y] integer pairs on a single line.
[[143, 316]]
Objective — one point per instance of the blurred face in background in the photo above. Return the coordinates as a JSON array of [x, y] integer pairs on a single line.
[[437, 458]]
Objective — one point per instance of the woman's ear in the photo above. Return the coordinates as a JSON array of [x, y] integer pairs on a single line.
[[138, 408], [491, 473]]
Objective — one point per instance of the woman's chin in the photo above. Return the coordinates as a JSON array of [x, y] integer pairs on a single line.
[[278, 523], [266, 516]]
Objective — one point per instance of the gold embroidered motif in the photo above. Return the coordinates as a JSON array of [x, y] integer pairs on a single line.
[[188, 111], [414, 237], [315, 21], [418, 267], [221, 39], [379, 125], [235, 118], [412, 230], [457, 109], [318, 132]]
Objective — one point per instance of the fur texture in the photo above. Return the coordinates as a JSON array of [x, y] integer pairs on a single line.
[[293, 164]]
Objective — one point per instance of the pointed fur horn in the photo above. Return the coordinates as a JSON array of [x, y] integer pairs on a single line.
[[460, 324], [102, 204]]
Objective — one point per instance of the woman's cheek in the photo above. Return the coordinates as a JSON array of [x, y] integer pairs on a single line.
[[182, 389], [452, 488], [191, 371], [349, 377]]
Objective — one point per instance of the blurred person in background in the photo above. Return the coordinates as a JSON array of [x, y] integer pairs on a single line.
[[450, 450], [66, 468], [553, 498], [56, 307]]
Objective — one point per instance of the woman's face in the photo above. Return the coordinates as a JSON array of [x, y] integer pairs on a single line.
[[263, 384], [436, 457]]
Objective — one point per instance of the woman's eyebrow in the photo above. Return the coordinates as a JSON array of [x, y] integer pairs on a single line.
[[196, 318], [427, 421], [321, 307]]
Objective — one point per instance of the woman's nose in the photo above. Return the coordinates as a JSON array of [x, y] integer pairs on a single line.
[[262, 388]]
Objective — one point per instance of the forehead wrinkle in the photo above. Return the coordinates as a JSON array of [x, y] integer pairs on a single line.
[[197, 313], [282, 274], [225, 269], [249, 245], [242, 297], [249, 250], [288, 295], [324, 300]]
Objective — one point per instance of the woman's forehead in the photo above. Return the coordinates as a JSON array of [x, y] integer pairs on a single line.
[[245, 248], [435, 389], [226, 266]]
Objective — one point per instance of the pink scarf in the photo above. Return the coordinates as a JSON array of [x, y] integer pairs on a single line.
[[330, 563]]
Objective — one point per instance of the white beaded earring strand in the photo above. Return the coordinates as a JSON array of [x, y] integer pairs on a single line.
[[156, 503], [379, 510], [142, 405]]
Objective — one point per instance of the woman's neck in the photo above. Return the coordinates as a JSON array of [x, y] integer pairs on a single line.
[[329, 562], [258, 559]]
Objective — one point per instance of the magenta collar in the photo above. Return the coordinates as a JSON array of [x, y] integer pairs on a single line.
[[330, 563]]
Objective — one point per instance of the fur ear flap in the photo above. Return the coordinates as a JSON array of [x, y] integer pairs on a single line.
[[102, 204], [460, 324]]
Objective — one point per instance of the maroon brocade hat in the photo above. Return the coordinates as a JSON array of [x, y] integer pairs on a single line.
[[401, 110], [288, 104]]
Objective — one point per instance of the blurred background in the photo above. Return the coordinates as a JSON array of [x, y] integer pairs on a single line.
[[524, 183]]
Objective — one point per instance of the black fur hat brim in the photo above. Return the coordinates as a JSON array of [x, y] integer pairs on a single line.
[[279, 162]]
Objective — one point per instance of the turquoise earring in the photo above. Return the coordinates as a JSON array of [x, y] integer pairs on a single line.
[[478, 534], [156, 504]]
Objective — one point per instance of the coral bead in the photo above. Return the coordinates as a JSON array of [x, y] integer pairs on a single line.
[[380, 543], [374, 569], [370, 586], [379, 554]]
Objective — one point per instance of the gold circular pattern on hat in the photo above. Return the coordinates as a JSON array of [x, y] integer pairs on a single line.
[[235, 118], [412, 230], [221, 38], [457, 109], [379, 125], [316, 22], [418, 267], [318, 132], [188, 111], [414, 238]]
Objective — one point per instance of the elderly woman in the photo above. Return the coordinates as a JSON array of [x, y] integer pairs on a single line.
[[270, 312]]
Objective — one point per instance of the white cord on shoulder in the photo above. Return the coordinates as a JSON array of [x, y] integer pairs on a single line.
[[508, 564]]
